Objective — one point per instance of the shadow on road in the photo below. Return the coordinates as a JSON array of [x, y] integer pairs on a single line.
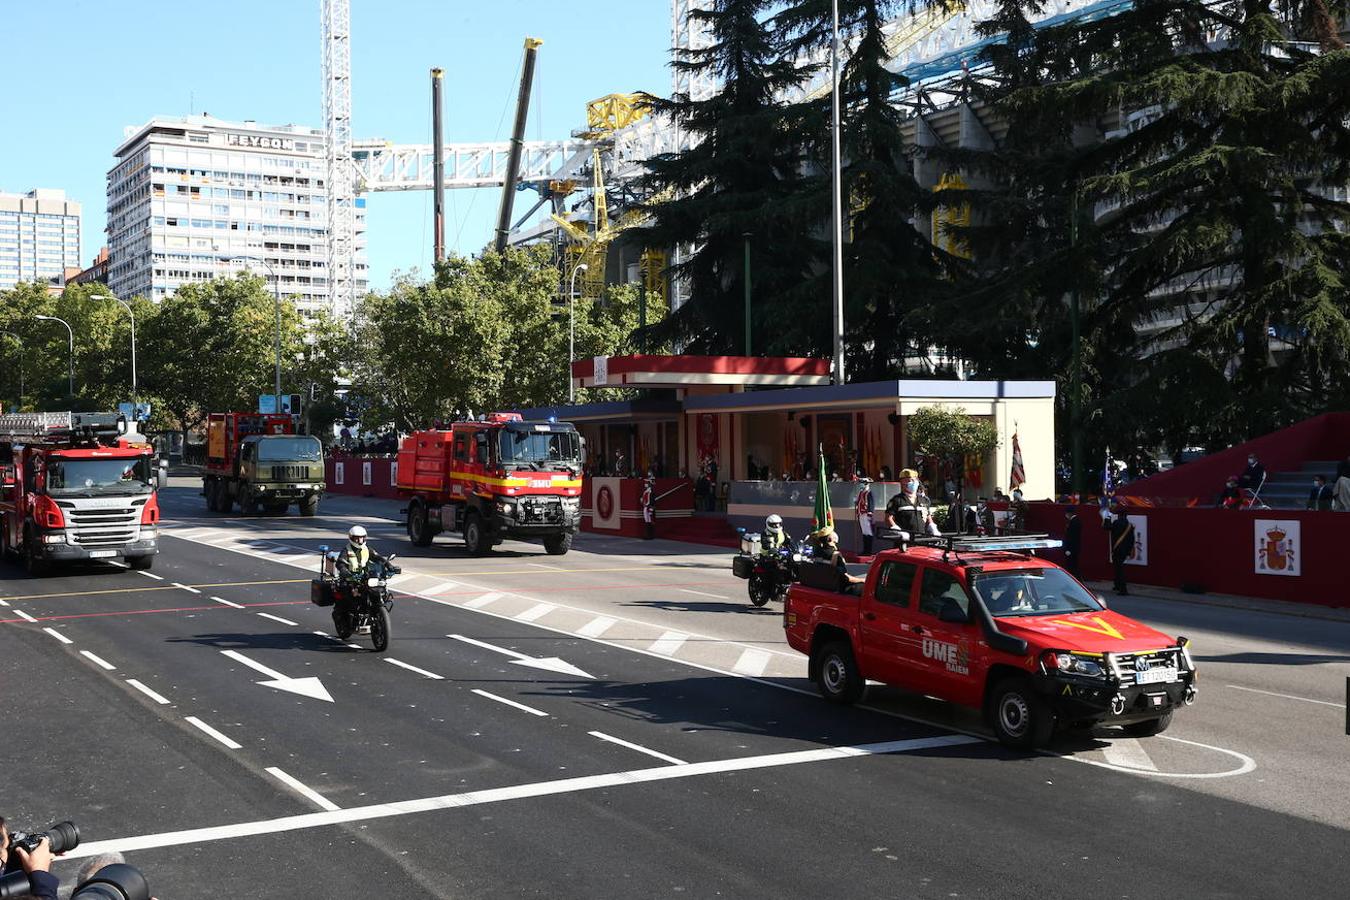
[[1254, 658], [705, 606], [281, 640]]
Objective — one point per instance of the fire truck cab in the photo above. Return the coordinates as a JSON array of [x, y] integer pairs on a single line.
[[492, 479], [76, 487]]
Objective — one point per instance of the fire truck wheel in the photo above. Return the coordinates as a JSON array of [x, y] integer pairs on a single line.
[[558, 544], [224, 502], [475, 541], [209, 490], [310, 506], [35, 564], [839, 679], [419, 530], [141, 563], [1019, 716]]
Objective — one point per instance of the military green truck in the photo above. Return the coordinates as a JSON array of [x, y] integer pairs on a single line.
[[256, 460]]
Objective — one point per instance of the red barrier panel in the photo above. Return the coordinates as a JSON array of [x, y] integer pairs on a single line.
[[619, 503], [1221, 551], [362, 476]]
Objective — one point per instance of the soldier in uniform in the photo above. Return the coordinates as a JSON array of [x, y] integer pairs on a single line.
[[908, 514]]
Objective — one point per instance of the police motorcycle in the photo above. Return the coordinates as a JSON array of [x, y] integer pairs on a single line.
[[360, 599], [769, 568]]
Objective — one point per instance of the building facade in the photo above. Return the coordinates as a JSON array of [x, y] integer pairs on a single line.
[[196, 198], [39, 236]]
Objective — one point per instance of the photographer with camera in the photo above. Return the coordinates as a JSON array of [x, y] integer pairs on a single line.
[[35, 863]]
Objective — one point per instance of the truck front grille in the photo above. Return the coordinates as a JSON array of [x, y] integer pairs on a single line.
[[102, 527], [1127, 663], [541, 511], [290, 473]]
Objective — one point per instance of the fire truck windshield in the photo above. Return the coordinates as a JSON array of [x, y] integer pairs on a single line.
[[303, 448], [522, 446], [98, 476]]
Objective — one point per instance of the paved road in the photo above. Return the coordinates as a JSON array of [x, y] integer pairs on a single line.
[[688, 758]]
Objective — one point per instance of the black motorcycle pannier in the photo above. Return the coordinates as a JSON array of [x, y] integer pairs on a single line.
[[320, 592], [742, 566]]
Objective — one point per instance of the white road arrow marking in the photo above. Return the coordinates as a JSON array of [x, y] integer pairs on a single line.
[[548, 664], [305, 687]]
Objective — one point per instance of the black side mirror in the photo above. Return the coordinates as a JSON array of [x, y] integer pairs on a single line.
[[952, 612]]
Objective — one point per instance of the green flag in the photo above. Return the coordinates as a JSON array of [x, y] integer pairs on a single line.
[[823, 517]]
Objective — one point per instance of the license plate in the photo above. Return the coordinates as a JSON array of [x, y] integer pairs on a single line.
[[1156, 676], [101, 554]]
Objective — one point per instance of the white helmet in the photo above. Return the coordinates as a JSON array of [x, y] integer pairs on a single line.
[[774, 522], [356, 531]]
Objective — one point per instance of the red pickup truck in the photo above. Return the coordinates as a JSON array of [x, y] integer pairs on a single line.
[[985, 623]]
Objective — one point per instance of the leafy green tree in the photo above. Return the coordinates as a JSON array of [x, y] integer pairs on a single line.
[[740, 180], [947, 436]]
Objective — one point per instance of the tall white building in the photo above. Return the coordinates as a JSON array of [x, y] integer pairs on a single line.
[[194, 198], [39, 236]]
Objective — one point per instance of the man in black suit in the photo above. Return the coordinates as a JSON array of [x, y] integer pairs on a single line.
[[1320, 495]]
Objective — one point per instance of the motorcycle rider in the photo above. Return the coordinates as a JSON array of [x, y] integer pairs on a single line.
[[775, 537], [351, 567]]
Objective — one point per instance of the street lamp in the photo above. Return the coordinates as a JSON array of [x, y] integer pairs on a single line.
[[572, 329], [19, 341], [71, 332], [127, 307], [276, 298], [837, 201]]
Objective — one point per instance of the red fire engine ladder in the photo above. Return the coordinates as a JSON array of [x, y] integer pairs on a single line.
[[61, 426]]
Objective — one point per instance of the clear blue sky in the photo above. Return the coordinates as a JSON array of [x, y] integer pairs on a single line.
[[77, 71]]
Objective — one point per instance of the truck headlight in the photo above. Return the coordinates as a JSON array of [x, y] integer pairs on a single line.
[[571, 502], [149, 532], [505, 508], [1072, 665]]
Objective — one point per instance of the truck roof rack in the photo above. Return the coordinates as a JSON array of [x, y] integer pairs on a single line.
[[62, 426], [967, 543]]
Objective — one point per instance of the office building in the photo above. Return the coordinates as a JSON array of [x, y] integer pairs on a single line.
[[195, 198], [39, 236]]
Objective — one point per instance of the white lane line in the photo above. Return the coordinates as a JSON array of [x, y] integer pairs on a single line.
[[1129, 753], [638, 747], [521, 706], [536, 612], [703, 594], [558, 787], [202, 726], [23, 615], [278, 619], [1238, 687], [4, 603], [439, 588], [404, 576], [98, 660], [321, 633], [480, 602], [58, 635], [147, 692], [303, 789], [228, 602], [597, 626], [545, 566], [423, 672], [753, 662], [150, 575], [191, 590], [354, 646], [669, 643]]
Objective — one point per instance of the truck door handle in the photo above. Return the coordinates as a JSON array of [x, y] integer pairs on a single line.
[[871, 617]]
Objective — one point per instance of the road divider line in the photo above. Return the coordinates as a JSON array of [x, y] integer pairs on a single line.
[[559, 787], [597, 626], [4, 603], [23, 615], [638, 747], [423, 672], [1128, 753], [303, 789], [753, 662], [1238, 687], [228, 602], [208, 730], [98, 660], [545, 566], [58, 635], [278, 619], [485, 600], [669, 643], [704, 594], [536, 612], [190, 590], [520, 706], [162, 701]]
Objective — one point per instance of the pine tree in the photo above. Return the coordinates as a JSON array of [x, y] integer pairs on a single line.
[[742, 177], [1218, 200]]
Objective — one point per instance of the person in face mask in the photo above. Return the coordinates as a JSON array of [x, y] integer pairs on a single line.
[[1320, 495], [908, 513], [1254, 475]]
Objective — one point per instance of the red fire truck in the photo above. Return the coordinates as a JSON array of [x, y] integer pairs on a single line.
[[492, 479], [76, 487]]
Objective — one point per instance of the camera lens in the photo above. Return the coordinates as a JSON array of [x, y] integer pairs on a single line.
[[64, 836], [116, 882]]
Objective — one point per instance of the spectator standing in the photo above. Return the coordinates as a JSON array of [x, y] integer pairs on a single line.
[[1073, 541], [1320, 495], [1017, 512], [703, 492], [1254, 475], [1341, 495], [1122, 546]]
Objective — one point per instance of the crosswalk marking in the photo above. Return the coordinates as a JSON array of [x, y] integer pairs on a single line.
[[536, 612], [597, 626], [669, 643], [486, 599], [439, 588], [753, 662]]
